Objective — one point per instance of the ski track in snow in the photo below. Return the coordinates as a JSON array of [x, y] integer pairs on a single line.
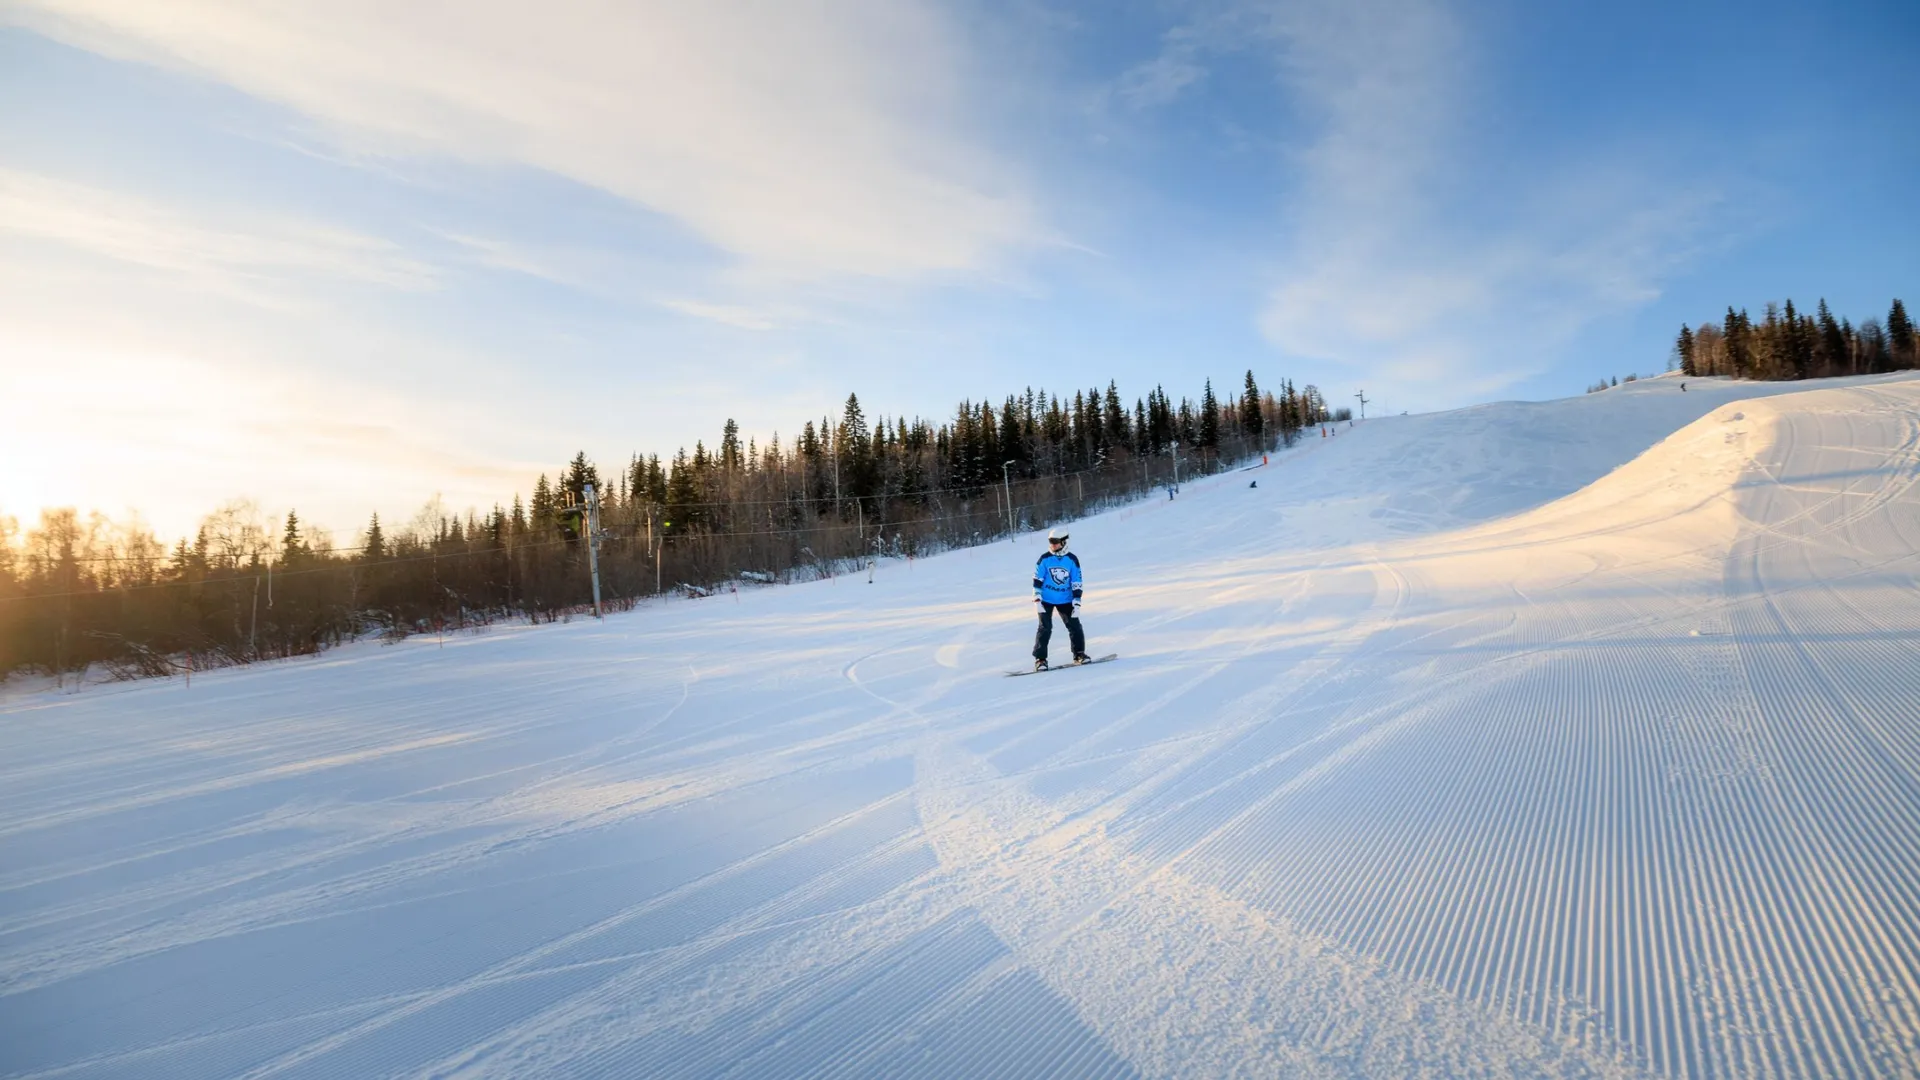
[[1567, 739]]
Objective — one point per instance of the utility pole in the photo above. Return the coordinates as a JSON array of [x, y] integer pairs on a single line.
[[1362, 395], [1176, 463], [593, 543], [1007, 484], [654, 545]]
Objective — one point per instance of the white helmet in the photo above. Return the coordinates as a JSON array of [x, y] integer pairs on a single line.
[[1058, 532]]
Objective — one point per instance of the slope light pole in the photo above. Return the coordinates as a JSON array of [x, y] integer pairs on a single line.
[[1007, 485], [1176, 463], [593, 543], [1362, 395]]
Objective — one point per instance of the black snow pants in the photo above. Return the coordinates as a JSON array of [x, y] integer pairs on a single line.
[[1045, 633]]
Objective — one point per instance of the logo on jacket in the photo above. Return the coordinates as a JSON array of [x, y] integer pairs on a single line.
[[1059, 574]]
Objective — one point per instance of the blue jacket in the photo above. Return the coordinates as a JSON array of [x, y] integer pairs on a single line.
[[1056, 578]]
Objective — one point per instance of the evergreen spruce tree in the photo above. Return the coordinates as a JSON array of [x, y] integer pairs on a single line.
[[374, 546], [541, 510], [636, 483], [1685, 348], [1085, 439], [1799, 344], [1054, 430], [1832, 342], [1900, 336], [656, 481], [981, 459], [1251, 418], [1160, 420], [1115, 418], [810, 460], [683, 495], [701, 511], [1207, 428], [854, 450], [292, 546], [580, 473], [913, 480], [1012, 447], [1735, 335]]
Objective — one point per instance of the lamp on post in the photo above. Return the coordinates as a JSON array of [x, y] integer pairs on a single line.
[[1007, 485]]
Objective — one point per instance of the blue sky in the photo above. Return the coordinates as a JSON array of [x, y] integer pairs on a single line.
[[344, 257]]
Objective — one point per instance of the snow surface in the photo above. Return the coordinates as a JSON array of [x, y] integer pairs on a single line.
[[1562, 739]]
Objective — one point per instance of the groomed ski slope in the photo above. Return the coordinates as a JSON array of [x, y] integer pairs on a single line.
[[1566, 739]]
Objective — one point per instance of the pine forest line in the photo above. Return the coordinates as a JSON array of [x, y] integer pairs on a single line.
[[83, 592]]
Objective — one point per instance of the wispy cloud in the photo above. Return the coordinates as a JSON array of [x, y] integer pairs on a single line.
[[1168, 75], [609, 275], [744, 318], [1413, 251], [808, 140], [233, 254]]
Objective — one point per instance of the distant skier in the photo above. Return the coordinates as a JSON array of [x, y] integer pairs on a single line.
[[1056, 586], [1683, 388]]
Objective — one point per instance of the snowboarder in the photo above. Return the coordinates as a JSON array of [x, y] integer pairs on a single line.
[[1056, 586]]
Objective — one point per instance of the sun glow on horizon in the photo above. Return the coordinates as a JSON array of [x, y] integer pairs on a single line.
[[189, 437]]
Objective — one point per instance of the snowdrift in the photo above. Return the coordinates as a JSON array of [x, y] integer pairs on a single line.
[[1574, 738]]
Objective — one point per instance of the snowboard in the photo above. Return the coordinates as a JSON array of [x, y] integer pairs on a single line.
[[1066, 667]]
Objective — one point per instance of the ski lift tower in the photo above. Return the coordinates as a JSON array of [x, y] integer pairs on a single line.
[[1362, 395], [594, 536]]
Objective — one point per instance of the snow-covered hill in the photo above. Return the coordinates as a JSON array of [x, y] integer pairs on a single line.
[[1576, 738]]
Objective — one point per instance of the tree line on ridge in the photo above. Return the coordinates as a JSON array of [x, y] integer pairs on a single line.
[[78, 591]]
